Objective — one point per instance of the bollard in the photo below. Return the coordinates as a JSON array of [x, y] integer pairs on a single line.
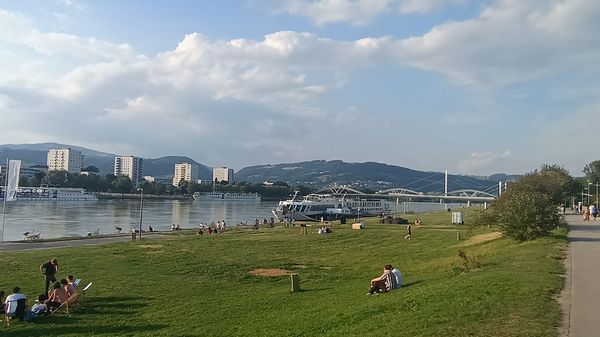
[[457, 236], [295, 278]]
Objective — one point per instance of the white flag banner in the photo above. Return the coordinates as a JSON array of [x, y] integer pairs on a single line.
[[12, 184]]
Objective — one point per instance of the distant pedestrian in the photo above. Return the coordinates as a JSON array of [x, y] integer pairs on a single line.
[[586, 213], [49, 270], [409, 230], [594, 211]]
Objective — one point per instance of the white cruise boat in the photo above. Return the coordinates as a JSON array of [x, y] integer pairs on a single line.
[[225, 196], [314, 206], [52, 194]]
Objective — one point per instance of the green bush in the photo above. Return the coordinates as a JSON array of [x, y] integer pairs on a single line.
[[525, 214]]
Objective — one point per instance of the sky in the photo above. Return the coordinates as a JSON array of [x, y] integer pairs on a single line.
[[474, 87]]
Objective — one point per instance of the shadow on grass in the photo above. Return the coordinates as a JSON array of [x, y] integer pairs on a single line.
[[313, 290], [410, 284], [115, 305], [85, 330]]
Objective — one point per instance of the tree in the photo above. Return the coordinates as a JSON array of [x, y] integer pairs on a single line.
[[592, 171], [57, 178], [122, 184]]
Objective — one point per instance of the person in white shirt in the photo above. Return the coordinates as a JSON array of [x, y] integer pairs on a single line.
[[398, 276], [10, 304]]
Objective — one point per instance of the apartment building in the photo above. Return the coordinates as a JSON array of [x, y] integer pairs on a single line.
[[185, 171], [130, 166], [222, 174], [65, 160]]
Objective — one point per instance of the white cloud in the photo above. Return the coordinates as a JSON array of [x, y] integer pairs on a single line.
[[266, 97], [356, 12], [421, 6], [511, 41], [484, 163]]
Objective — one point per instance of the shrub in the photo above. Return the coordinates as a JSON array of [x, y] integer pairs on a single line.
[[526, 214]]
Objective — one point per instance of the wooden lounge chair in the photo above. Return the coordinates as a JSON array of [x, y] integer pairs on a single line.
[[67, 305]]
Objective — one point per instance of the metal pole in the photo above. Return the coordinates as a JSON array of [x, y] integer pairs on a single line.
[[141, 210], [596, 195], [4, 203]]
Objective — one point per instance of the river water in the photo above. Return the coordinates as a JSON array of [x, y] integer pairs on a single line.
[[55, 219]]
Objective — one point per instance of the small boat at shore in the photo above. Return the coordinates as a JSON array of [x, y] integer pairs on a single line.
[[52, 194], [226, 196]]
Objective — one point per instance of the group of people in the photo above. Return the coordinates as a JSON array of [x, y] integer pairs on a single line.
[[49, 300], [218, 228]]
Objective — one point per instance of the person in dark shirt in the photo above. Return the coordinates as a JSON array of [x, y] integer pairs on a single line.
[[49, 270]]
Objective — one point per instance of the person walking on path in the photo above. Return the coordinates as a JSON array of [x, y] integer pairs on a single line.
[[594, 211], [49, 270], [586, 213]]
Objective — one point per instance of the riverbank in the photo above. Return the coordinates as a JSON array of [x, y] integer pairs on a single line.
[[107, 195], [502, 294]]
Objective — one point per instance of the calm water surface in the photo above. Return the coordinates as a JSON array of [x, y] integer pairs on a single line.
[[63, 218]]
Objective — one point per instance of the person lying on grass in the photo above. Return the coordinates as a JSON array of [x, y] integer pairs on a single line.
[[385, 282]]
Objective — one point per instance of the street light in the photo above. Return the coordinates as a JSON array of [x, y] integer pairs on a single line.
[[141, 209]]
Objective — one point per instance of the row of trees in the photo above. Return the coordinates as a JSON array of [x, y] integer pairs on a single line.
[[122, 184]]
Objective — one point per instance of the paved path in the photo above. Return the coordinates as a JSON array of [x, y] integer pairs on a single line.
[[18, 246], [581, 301]]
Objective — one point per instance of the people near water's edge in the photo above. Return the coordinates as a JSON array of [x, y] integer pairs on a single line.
[[383, 283], [49, 270], [409, 231]]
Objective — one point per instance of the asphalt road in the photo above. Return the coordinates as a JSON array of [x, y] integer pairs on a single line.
[[581, 298]]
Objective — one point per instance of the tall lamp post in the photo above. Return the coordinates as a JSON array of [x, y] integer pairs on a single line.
[[141, 208]]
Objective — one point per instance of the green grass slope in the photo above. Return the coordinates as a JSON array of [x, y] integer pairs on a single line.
[[200, 285]]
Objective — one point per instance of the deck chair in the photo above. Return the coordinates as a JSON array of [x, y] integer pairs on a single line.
[[84, 291], [67, 305], [14, 309]]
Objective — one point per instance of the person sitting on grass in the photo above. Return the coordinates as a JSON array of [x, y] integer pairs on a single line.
[[11, 303], [39, 307], [383, 283], [56, 297]]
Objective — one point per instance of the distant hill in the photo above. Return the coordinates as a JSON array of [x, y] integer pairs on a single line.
[[367, 175], [36, 154]]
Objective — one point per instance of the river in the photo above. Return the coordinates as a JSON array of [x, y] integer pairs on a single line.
[[55, 219]]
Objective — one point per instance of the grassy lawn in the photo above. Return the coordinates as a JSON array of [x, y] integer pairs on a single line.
[[200, 285]]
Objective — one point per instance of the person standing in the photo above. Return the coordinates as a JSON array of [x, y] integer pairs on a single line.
[[409, 230], [593, 211], [49, 270]]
